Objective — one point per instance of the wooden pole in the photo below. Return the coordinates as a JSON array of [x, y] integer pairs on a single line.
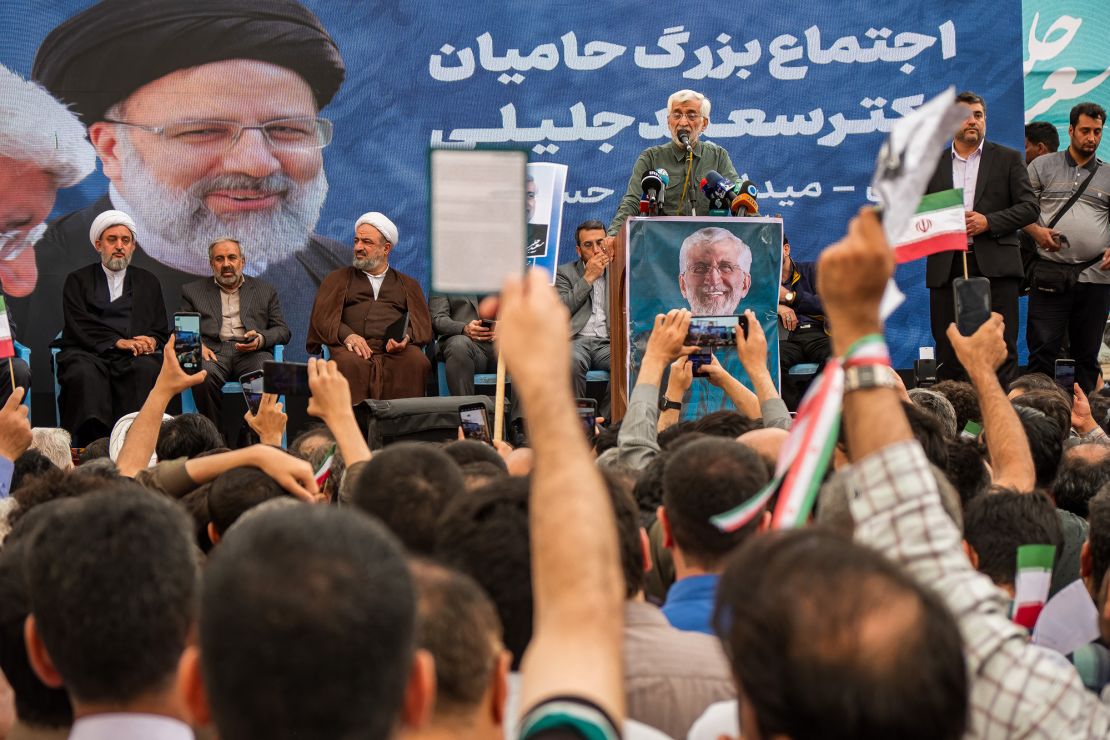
[[499, 401]]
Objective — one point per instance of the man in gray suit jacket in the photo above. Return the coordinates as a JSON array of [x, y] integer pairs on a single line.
[[466, 345], [240, 322], [582, 286]]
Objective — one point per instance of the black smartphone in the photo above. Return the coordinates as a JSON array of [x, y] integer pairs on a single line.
[[714, 331], [186, 341], [587, 413], [1061, 240], [1064, 373], [973, 303], [251, 383], [475, 422], [285, 378], [488, 323], [698, 360]]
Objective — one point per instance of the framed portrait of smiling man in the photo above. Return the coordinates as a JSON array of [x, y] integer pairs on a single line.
[[713, 267]]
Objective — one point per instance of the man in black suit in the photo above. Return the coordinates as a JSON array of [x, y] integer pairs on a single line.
[[998, 201], [240, 322], [115, 326], [466, 345]]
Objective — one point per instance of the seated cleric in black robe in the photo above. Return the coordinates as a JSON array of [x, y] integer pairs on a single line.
[[131, 70], [115, 325]]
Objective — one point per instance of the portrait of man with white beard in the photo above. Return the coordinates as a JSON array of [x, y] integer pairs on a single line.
[[205, 118], [715, 271]]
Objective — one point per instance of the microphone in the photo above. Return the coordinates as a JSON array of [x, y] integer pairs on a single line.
[[743, 199], [717, 190], [654, 185], [684, 137]]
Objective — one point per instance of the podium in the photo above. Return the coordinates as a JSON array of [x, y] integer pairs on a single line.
[[647, 276]]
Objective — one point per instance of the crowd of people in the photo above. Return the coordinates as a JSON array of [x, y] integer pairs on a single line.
[[575, 588]]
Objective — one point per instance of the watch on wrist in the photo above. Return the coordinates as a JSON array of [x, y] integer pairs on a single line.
[[866, 377], [790, 297], [666, 403]]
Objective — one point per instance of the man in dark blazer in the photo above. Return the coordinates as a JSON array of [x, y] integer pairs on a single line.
[[240, 322], [998, 201], [465, 345], [115, 327], [582, 287]]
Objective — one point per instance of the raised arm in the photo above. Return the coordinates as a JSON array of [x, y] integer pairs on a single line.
[[576, 582]]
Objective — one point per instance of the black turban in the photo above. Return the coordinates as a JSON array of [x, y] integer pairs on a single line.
[[100, 56]]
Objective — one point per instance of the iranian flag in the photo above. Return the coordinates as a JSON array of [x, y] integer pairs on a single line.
[[937, 226], [1034, 576], [7, 345]]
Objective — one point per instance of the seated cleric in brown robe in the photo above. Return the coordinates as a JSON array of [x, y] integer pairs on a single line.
[[356, 305], [115, 324]]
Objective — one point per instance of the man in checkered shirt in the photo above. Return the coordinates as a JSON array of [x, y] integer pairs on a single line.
[[1017, 690]]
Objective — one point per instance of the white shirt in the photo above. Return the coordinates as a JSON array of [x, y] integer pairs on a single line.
[[125, 726], [722, 718], [597, 325], [376, 281], [115, 282], [965, 174]]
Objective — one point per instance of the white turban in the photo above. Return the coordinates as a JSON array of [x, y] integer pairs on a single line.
[[381, 223], [107, 220], [119, 435]]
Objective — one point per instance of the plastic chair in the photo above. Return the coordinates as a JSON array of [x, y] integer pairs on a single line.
[[24, 353]]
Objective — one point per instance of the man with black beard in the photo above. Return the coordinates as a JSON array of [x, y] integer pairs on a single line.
[[207, 125]]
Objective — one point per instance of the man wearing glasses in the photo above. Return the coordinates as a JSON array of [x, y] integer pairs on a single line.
[[687, 116], [715, 271], [208, 125]]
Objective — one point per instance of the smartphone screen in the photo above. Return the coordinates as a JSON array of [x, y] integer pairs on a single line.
[[973, 303], [474, 422], [285, 378], [698, 360], [1065, 375], [251, 383], [587, 413], [186, 341], [713, 331]]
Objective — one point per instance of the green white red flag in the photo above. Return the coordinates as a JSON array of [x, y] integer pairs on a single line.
[[1034, 576], [7, 343], [937, 226]]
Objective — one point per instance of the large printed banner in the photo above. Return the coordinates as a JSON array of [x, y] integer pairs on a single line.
[[801, 98], [716, 268]]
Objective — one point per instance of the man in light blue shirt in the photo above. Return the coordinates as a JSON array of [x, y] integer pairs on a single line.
[[701, 479]]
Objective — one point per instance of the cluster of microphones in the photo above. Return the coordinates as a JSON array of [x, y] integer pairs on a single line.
[[726, 198]]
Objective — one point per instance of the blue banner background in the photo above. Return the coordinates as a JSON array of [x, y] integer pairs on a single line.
[[390, 104]]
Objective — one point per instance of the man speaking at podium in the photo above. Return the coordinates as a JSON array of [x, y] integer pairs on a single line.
[[685, 158]]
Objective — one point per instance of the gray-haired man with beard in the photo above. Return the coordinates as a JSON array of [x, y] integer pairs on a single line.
[[115, 322], [207, 125]]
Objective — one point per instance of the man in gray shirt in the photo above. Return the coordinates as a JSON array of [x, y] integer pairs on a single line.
[[687, 115], [1082, 235]]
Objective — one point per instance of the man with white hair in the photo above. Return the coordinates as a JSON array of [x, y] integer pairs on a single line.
[[715, 271], [208, 125], [115, 323], [373, 320], [687, 118], [42, 148], [55, 444]]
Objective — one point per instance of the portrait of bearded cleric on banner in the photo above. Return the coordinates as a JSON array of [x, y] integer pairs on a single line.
[[208, 125], [715, 271]]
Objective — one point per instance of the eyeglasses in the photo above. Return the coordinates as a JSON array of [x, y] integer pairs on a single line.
[[592, 245], [677, 115], [12, 247], [284, 133], [723, 268]]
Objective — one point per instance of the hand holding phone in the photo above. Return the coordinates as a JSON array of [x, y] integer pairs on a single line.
[[1064, 375], [251, 384], [587, 414]]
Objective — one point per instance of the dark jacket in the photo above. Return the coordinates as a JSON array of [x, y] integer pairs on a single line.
[[259, 309], [85, 325], [1002, 194]]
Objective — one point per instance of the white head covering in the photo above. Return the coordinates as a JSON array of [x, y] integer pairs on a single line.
[[107, 220], [381, 223], [119, 434]]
